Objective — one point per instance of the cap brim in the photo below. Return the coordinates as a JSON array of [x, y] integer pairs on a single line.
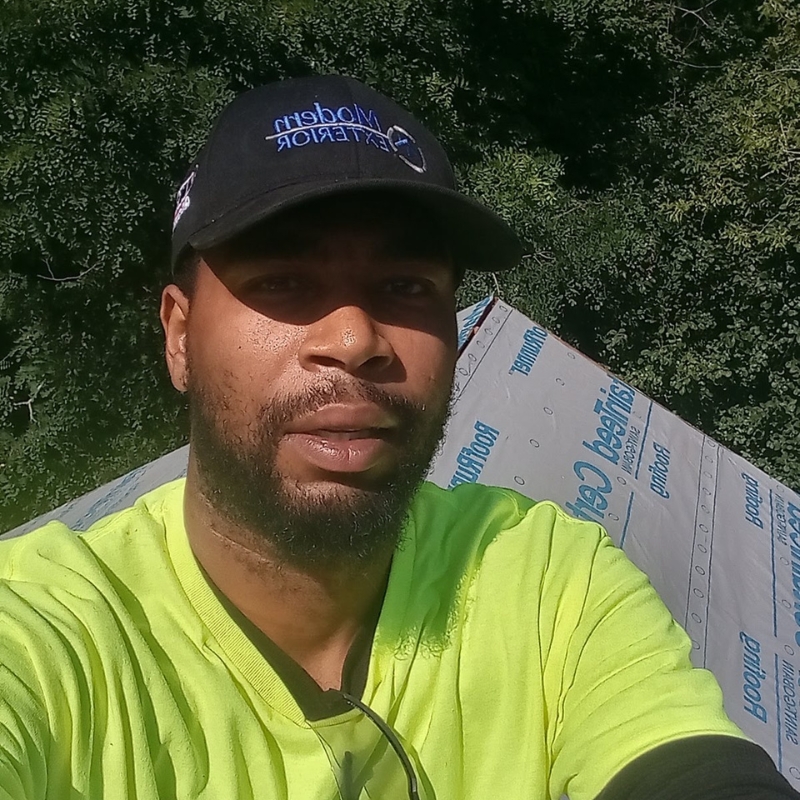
[[479, 239]]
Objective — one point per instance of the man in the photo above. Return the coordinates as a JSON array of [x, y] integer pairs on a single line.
[[303, 617]]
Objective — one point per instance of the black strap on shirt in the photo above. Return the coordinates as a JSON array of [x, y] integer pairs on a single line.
[[701, 768]]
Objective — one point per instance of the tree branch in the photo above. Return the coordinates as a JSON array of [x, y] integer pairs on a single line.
[[77, 277], [29, 401]]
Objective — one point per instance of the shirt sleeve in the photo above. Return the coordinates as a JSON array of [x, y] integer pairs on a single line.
[[701, 768], [24, 738], [625, 681]]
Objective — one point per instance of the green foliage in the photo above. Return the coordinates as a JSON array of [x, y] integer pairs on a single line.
[[704, 313], [648, 154]]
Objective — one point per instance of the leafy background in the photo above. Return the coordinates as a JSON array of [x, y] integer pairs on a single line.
[[649, 154]]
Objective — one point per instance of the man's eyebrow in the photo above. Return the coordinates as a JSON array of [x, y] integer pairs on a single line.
[[254, 250], [414, 245], [280, 244]]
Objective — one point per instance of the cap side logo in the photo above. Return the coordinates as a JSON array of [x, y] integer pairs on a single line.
[[320, 124], [406, 148], [182, 199]]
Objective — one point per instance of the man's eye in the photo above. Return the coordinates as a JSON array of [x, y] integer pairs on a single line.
[[276, 284], [409, 287]]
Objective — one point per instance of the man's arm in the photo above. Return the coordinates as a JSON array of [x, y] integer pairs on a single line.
[[630, 708], [23, 747], [701, 768]]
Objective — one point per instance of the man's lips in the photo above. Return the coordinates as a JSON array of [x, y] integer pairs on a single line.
[[340, 419], [343, 438], [348, 435]]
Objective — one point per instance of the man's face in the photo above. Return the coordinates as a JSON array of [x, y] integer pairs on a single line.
[[319, 358]]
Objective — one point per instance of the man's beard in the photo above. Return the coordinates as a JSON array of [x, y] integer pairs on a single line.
[[306, 527]]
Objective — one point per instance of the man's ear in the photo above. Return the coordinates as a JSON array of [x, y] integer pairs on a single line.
[[175, 319]]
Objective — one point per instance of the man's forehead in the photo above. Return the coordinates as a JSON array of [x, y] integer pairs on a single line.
[[393, 224]]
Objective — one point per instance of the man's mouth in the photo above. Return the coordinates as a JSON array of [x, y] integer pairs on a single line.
[[345, 434], [343, 438], [341, 419]]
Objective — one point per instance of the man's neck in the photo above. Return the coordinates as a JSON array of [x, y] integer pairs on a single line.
[[313, 615]]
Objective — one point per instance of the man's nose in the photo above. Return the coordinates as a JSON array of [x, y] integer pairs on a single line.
[[347, 338]]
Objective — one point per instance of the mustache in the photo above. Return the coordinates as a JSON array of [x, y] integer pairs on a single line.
[[286, 408]]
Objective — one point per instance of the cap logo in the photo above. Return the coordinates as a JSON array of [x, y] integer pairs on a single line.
[[406, 148], [182, 199], [320, 124]]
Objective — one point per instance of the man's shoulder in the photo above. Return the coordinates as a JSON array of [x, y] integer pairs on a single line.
[[55, 551], [483, 516], [502, 508]]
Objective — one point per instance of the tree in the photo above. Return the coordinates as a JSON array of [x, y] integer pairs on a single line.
[[696, 300], [643, 151]]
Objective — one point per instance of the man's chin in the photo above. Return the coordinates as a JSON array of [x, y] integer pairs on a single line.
[[326, 522]]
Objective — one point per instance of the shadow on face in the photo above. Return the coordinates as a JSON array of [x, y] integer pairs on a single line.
[[376, 251]]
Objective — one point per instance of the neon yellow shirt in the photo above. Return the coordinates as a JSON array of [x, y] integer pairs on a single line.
[[518, 654]]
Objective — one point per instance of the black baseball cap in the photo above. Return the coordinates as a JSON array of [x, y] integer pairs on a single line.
[[280, 145]]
